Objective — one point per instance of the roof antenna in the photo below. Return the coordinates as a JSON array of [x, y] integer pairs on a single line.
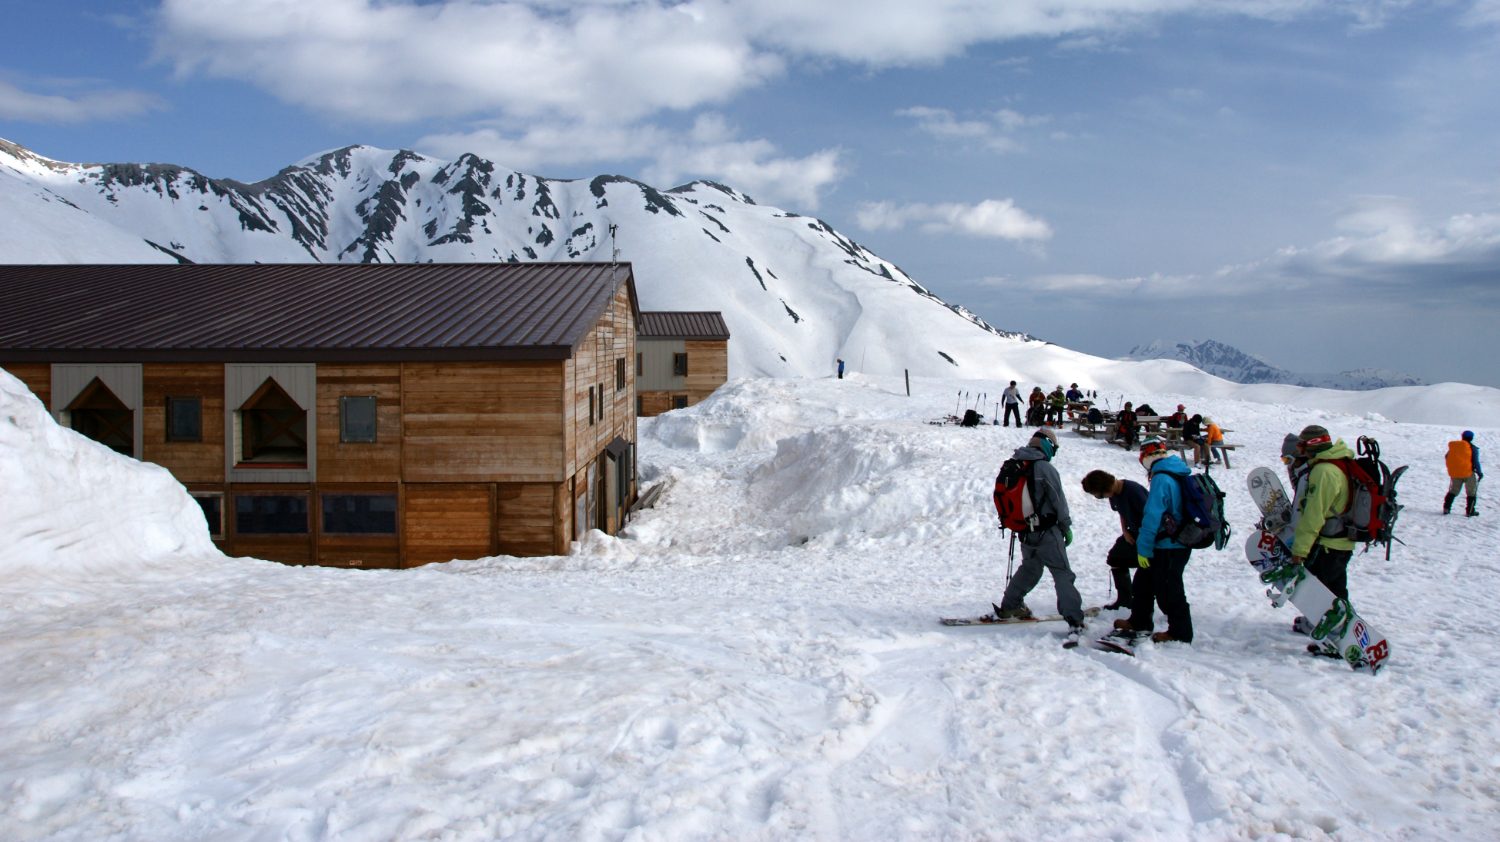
[[614, 248]]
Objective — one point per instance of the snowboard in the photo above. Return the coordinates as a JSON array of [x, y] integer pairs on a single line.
[[1120, 643], [989, 619], [1338, 631]]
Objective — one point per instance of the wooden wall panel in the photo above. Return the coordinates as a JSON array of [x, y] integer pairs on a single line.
[[526, 519], [497, 422], [708, 366], [655, 403], [377, 461], [441, 522], [189, 462], [36, 376]]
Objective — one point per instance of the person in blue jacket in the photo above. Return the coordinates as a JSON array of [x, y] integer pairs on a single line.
[[1157, 552]]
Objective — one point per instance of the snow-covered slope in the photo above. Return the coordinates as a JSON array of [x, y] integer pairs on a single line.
[[1231, 363], [757, 658], [795, 293]]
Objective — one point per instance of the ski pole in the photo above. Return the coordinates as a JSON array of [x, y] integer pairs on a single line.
[[1011, 560]]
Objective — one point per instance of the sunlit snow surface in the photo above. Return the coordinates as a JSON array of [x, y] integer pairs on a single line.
[[757, 657]]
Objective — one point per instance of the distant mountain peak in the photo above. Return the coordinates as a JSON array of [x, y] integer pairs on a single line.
[[1230, 363]]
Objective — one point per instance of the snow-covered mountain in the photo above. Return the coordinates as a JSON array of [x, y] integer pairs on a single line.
[[796, 293], [1235, 365]]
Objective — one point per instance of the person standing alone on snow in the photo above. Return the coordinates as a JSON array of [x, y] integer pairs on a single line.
[[1319, 541], [1156, 552], [1011, 397], [841, 369], [1045, 546], [1464, 473]]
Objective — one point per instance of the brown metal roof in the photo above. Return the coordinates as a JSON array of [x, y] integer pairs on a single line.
[[673, 324], [302, 312]]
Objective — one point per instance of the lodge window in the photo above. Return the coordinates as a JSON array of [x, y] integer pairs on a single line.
[[184, 419], [679, 401], [274, 429], [213, 512], [359, 514], [270, 514], [640, 365], [620, 374], [679, 365], [591, 406], [357, 418], [103, 417]]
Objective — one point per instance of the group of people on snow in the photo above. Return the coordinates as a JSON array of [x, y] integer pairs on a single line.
[[1043, 409], [1147, 566]]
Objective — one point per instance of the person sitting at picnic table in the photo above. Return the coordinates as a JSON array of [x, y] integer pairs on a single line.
[[1145, 411], [1125, 426], [1178, 418], [1212, 437], [1192, 434]]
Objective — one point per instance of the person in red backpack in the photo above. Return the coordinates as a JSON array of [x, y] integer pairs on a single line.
[[1464, 473], [1045, 545], [1319, 541]]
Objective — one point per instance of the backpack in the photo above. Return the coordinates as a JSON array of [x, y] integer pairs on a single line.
[[1203, 523], [1370, 517], [1013, 498], [971, 419]]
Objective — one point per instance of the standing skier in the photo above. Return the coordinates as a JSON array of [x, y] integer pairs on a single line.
[[1319, 541], [1157, 552], [1057, 404], [1046, 545], [1011, 397], [841, 368], [1128, 499], [1463, 473]]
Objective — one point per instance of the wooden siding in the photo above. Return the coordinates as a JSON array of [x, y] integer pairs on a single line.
[[495, 422], [526, 514], [190, 462], [708, 367], [377, 461], [37, 377], [444, 521]]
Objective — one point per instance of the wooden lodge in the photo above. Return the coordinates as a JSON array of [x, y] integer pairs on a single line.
[[353, 415], [681, 358]]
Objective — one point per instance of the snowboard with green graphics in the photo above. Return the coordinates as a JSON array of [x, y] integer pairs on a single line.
[[1337, 630]]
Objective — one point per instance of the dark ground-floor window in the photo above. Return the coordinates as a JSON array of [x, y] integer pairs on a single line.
[[213, 512], [359, 514], [270, 514]]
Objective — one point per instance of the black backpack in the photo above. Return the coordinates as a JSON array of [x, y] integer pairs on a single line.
[[1203, 523]]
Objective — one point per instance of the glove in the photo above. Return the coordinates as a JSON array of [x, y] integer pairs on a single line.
[[1068, 537], [1143, 562]]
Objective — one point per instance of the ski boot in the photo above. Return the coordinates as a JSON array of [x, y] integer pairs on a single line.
[[1448, 503], [1473, 507]]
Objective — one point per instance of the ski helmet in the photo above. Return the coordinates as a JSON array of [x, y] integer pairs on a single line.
[[1152, 449]]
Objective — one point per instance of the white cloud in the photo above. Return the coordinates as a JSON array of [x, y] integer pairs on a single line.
[[713, 150], [991, 218], [995, 130], [401, 61], [73, 105]]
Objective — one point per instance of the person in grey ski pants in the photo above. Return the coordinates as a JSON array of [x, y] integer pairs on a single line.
[[1045, 550]]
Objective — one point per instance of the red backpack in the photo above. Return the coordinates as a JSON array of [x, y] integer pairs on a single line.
[[1013, 496], [1370, 517]]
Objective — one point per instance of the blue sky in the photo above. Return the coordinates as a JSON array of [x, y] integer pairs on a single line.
[[1317, 183]]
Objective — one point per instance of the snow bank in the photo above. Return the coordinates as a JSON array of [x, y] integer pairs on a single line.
[[72, 505]]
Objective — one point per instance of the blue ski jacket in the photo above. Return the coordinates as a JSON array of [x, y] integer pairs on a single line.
[[1165, 498]]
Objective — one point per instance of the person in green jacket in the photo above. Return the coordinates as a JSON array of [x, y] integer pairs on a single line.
[[1318, 541]]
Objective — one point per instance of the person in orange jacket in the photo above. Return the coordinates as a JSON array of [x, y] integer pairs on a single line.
[[1464, 473]]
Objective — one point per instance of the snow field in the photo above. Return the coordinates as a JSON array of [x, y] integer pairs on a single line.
[[757, 657]]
